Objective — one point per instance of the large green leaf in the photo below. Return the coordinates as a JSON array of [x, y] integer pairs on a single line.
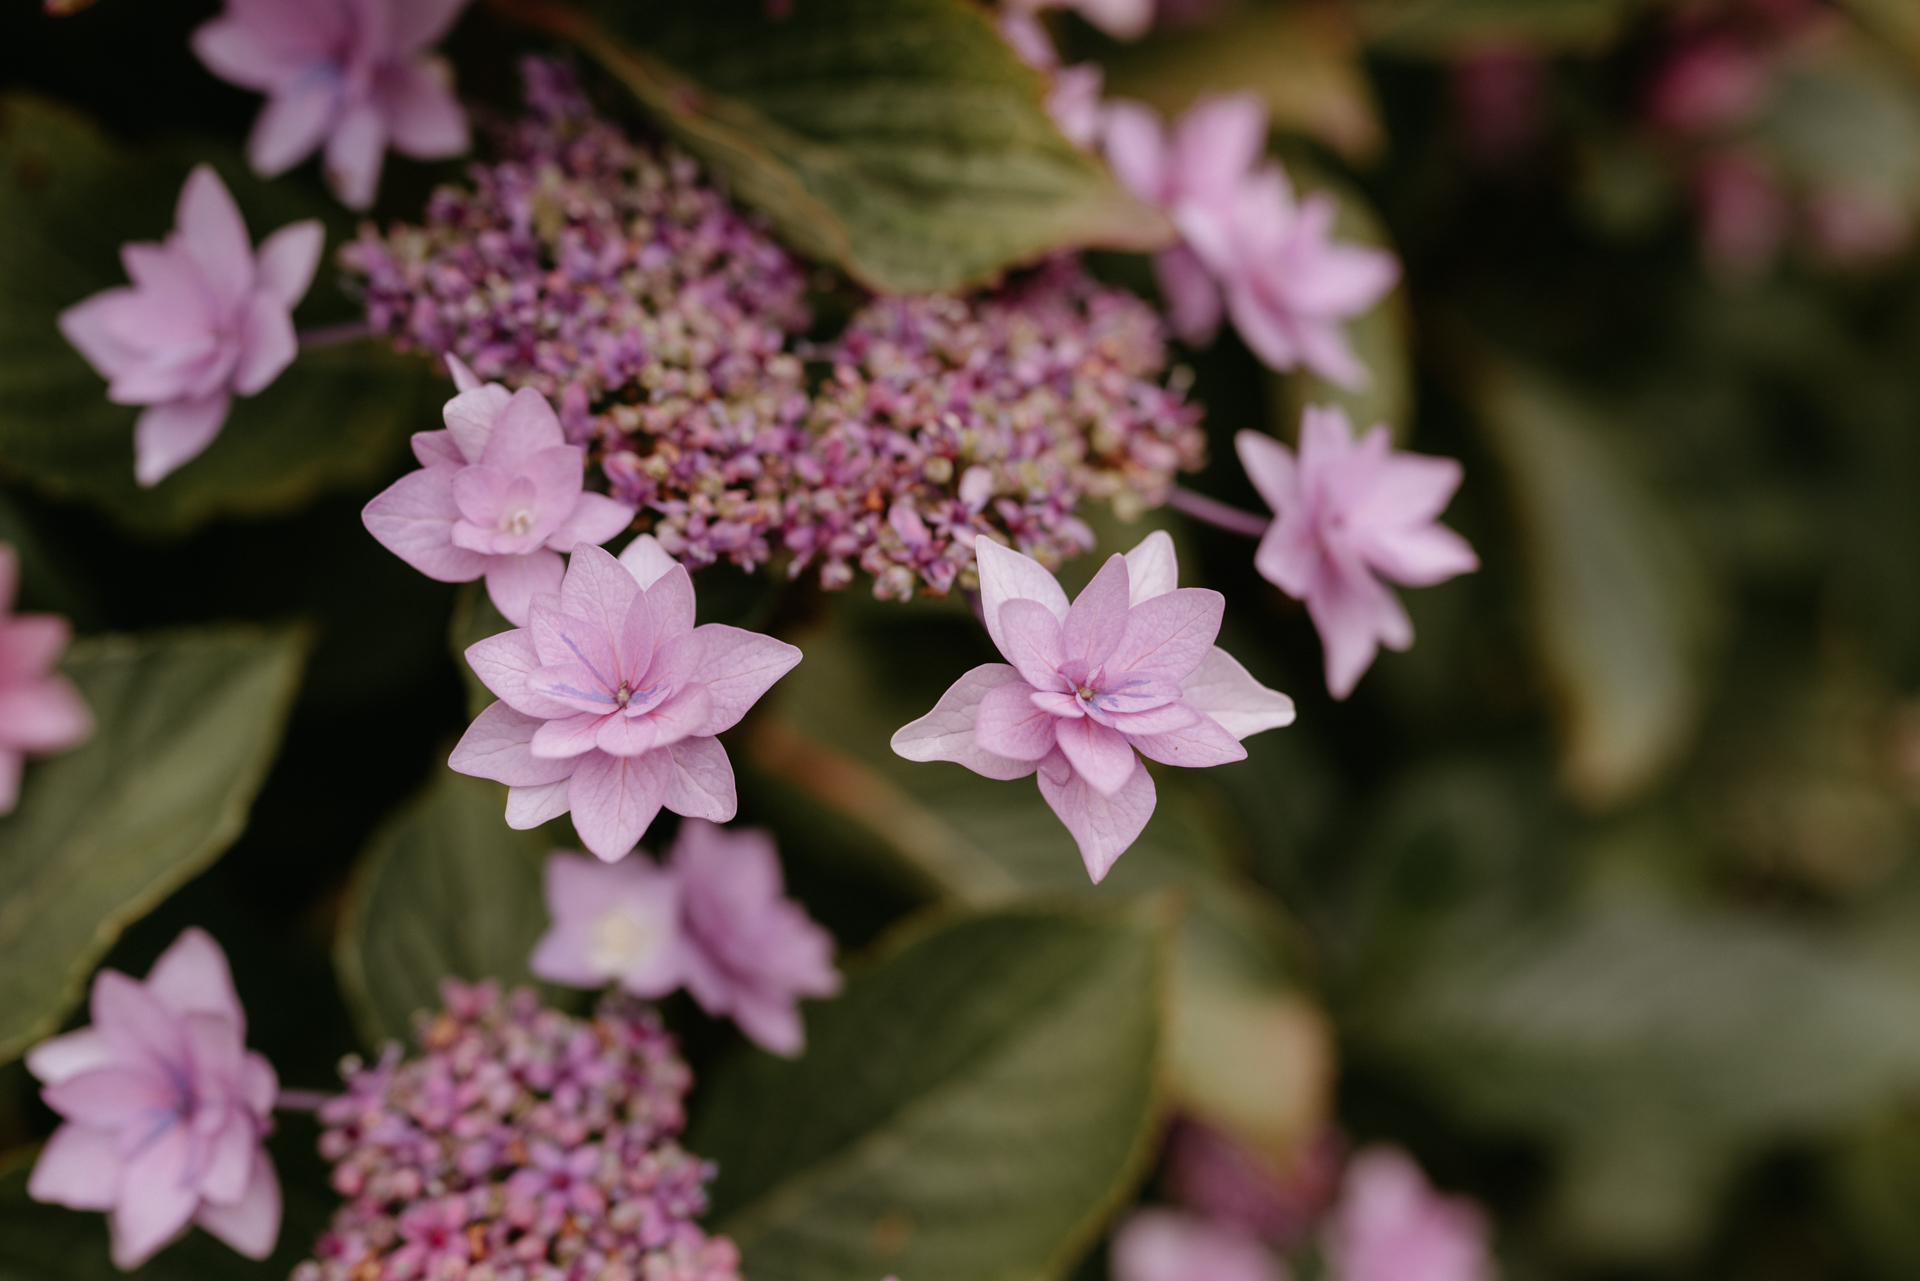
[[187, 724], [972, 1108], [899, 139], [69, 199], [446, 890], [1624, 611]]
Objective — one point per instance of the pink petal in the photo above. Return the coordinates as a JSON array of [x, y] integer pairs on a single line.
[[1171, 633], [614, 799], [1098, 619], [43, 715], [136, 1027], [89, 326], [229, 1165], [1030, 638], [702, 784], [682, 716], [513, 582], [68, 1055], [1194, 305], [737, 668], [1269, 331], [1121, 19], [1354, 614], [261, 44], [577, 888], [526, 426], [1171, 1245], [1270, 466], [621, 735], [354, 155], [464, 379], [288, 258], [413, 518], [1136, 147], [1167, 718], [569, 736], [1010, 727], [214, 236], [419, 23], [156, 1201], [294, 122], [423, 117], [470, 417], [505, 664], [1223, 690], [529, 807], [1007, 575], [1102, 826], [1204, 742], [497, 746], [597, 592], [594, 519], [1324, 349], [773, 1025], [1216, 144], [1098, 754], [479, 492], [80, 1168], [116, 1097], [1420, 557], [192, 977], [251, 1225], [947, 732], [267, 343], [1152, 568], [670, 597], [646, 560], [166, 436]]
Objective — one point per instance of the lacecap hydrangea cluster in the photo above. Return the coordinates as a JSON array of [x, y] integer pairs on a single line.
[[666, 325], [522, 1145]]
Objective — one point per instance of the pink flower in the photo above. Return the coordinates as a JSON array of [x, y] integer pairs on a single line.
[[1391, 1225], [1711, 83], [353, 75], [610, 700], [612, 923], [498, 494], [1212, 1173], [1744, 215], [164, 1110], [40, 711], [1121, 19], [1130, 666], [1251, 250], [1167, 1245], [204, 319], [751, 952], [1348, 513], [1074, 103]]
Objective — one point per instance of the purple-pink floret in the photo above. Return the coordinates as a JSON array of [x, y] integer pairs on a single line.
[[611, 276], [523, 1145]]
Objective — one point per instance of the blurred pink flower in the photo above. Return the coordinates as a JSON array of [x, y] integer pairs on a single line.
[[1744, 215], [204, 319], [1499, 96], [610, 700], [1074, 103], [1710, 83], [1130, 666], [1213, 1174], [1348, 513], [612, 923], [352, 75], [1167, 1245], [164, 1109], [1850, 225], [1121, 19], [498, 494], [750, 951], [1390, 1225], [40, 710]]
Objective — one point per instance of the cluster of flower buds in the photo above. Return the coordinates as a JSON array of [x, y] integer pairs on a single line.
[[522, 1145]]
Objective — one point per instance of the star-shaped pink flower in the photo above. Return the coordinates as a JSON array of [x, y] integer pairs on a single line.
[[1130, 667], [1347, 514], [353, 76], [1390, 1225], [205, 320], [163, 1109], [610, 699], [40, 711], [498, 495]]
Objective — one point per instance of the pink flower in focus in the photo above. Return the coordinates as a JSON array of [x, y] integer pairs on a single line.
[[612, 923], [1390, 1225], [1346, 514], [1167, 1245], [204, 319], [164, 1109], [750, 951], [610, 700], [498, 494], [40, 711], [1130, 666], [352, 75]]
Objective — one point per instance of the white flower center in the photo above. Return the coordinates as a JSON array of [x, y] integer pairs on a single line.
[[621, 937], [516, 522]]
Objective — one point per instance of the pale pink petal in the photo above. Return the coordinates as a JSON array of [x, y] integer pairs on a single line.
[[251, 1225], [29, 643], [135, 1026], [228, 1156], [1420, 556], [167, 436], [1270, 333], [1390, 1223], [702, 784], [1354, 614], [1098, 754], [646, 560], [594, 519], [775, 1026], [570, 736], [261, 44], [524, 427], [1030, 41], [214, 236], [614, 799], [192, 977], [419, 23], [116, 1096], [1007, 575], [288, 258], [354, 155], [156, 1201], [1194, 305], [44, 715], [471, 414], [1215, 145], [1121, 19], [1270, 466], [424, 119], [413, 518], [1169, 716], [89, 325], [670, 597], [682, 716], [1324, 349], [1222, 689], [61, 1057], [1152, 568], [947, 732], [505, 664], [529, 807], [267, 344], [1009, 726], [513, 581], [80, 1168], [1030, 639], [737, 667], [465, 380], [1098, 618], [1074, 105], [1171, 1245], [1170, 633], [1136, 146], [497, 746], [597, 591], [1102, 826], [1203, 743], [294, 122], [615, 735]]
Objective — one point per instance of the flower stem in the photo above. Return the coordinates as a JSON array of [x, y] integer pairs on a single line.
[[1217, 513], [333, 335]]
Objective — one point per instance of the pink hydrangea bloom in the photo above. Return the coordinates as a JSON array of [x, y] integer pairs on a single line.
[[40, 711], [751, 952], [164, 1109], [1251, 249], [1390, 1225], [1168, 1245], [498, 494], [1128, 667], [205, 319], [1348, 513], [610, 699], [611, 923], [351, 75]]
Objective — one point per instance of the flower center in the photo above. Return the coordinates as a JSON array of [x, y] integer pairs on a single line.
[[620, 939], [517, 522]]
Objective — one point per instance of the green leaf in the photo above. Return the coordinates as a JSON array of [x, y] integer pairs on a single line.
[[186, 726], [972, 1108], [446, 889], [898, 139], [1441, 27], [69, 199], [1625, 613]]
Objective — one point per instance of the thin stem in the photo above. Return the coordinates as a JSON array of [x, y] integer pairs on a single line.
[[333, 335], [300, 1100], [1217, 513]]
